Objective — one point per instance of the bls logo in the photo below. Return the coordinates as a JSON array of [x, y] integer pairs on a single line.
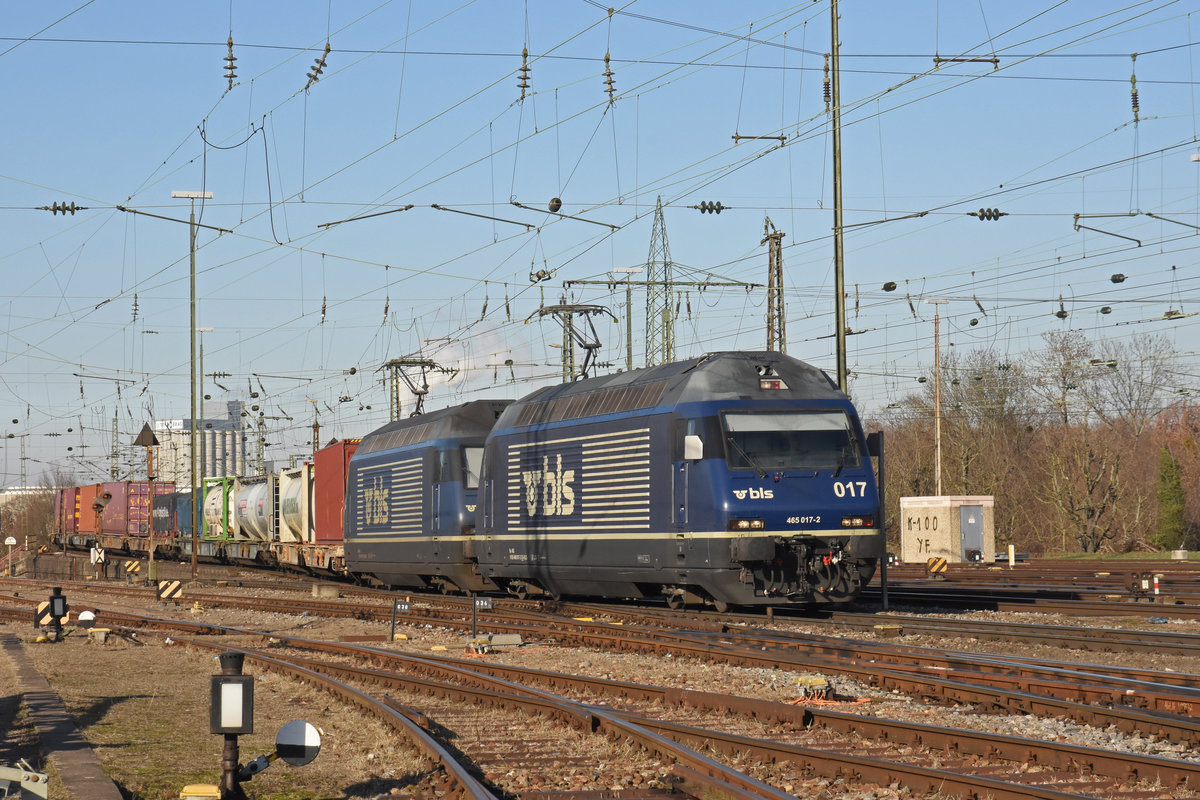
[[755, 494], [375, 502], [551, 486]]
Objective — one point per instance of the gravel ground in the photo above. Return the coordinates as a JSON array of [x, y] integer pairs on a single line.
[[161, 698]]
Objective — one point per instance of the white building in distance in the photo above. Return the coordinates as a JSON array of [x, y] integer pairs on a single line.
[[220, 444]]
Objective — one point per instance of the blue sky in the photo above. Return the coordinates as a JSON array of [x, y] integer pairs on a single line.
[[119, 104]]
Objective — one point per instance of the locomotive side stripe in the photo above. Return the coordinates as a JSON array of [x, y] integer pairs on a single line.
[[614, 452], [622, 472], [613, 496], [641, 480], [611, 437], [592, 534]]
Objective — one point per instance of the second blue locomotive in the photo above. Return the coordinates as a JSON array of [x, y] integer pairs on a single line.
[[732, 479]]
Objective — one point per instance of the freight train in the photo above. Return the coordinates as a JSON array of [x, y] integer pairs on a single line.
[[736, 478]]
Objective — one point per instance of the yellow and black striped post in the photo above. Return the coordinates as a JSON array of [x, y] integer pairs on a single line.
[[132, 568], [936, 567]]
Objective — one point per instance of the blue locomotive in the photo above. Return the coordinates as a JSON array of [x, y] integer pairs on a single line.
[[411, 497], [737, 478]]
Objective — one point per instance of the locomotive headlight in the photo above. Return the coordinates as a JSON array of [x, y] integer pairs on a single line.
[[858, 522], [746, 525]]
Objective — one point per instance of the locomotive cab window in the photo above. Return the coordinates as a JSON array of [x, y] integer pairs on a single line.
[[790, 440], [472, 465]]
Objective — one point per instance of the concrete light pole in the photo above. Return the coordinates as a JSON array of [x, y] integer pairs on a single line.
[[193, 197], [629, 272], [937, 396]]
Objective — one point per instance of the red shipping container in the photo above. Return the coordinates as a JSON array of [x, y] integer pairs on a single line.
[[88, 517], [331, 465]]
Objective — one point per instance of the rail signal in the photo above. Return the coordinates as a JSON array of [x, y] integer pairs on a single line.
[[50, 613], [298, 743]]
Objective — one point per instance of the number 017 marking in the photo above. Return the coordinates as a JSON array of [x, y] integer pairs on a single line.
[[850, 488]]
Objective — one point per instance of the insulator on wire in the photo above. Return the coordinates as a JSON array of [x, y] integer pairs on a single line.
[[828, 90], [65, 208], [709, 207], [988, 213], [1062, 312], [608, 79], [1133, 92], [318, 67], [523, 83], [230, 69]]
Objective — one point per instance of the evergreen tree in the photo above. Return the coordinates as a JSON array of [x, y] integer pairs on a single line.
[[1171, 524]]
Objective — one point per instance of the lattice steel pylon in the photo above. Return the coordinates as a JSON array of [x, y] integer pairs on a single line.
[[660, 316]]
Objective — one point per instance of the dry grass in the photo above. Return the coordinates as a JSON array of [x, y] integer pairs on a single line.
[[145, 709]]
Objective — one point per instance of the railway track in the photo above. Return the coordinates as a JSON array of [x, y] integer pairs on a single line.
[[732, 747], [1146, 702]]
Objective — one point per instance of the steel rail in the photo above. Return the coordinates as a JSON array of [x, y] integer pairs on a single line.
[[1121, 766], [937, 687], [462, 784], [1117, 766], [702, 776]]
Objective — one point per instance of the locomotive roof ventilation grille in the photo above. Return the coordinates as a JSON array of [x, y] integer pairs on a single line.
[[592, 404], [392, 439]]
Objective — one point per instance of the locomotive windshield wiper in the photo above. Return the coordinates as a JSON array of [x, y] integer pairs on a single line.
[[762, 473], [843, 457]]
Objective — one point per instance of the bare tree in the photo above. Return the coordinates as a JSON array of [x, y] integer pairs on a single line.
[[1130, 381], [1062, 370], [1083, 485]]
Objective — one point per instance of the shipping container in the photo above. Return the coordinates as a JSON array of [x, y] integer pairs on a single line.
[[126, 510], [89, 515], [66, 510], [173, 514], [332, 465], [183, 514]]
